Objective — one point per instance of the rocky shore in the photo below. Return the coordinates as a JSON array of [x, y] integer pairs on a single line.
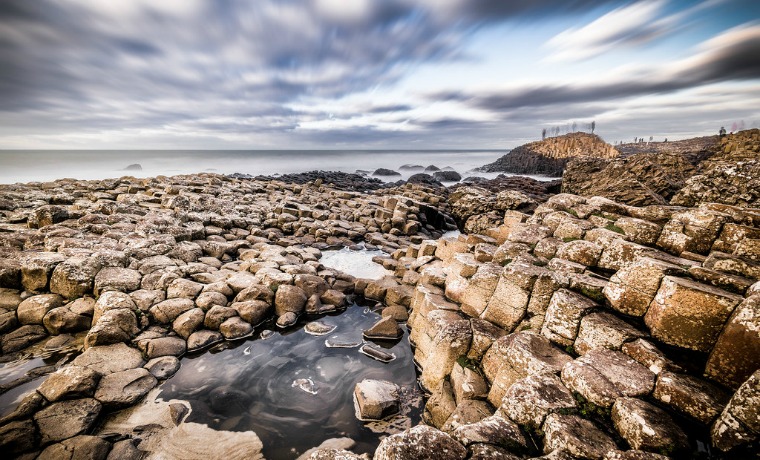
[[556, 326]]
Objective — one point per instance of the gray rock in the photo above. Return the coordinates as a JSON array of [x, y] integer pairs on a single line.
[[385, 328], [124, 388], [62, 320], [165, 346], [690, 395], [235, 328], [78, 447], [530, 400], [114, 326], [69, 382], [125, 450], [167, 311], [202, 339], [576, 436], [493, 430], [109, 359], [66, 419], [420, 443], [647, 427], [253, 311], [22, 337], [117, 279], [17, 437], [287, 319], [163, 367]]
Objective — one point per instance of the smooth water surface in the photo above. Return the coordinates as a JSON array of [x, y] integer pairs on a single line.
[[47, 165], [293, 390]]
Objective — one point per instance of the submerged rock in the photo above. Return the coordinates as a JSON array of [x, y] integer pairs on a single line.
[[376, 399]]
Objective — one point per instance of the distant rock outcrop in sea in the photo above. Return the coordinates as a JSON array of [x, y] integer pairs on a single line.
[[133, 167], [550, 156]]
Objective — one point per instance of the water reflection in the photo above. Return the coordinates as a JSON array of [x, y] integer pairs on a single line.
[[292, 389]]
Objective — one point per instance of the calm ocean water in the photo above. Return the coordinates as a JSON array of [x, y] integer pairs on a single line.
[[47, 165]]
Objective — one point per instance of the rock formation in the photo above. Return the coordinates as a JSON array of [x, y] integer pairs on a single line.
[[550, 156]]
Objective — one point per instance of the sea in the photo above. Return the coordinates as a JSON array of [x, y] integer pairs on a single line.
[[48, 165]]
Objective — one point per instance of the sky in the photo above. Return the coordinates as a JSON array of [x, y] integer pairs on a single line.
[[371, 74]]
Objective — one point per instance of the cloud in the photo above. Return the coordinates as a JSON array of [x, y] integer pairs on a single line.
[[730, 56]]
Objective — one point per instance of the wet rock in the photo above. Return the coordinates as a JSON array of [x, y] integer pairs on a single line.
[[17, 437], [333, 297], [421, 443], [374, 353], [467, 384], [385, 172], [112, 300], [253, 311], [690, 395], [203, 339], [289, 299], [66, 419], [576, 436], [228, 400], [217, 315], [78, 447], [447, 176], [208, 299], [467, 412], [376, 399], [124, 388], [194, 441], [163, 367], [689, 314], [33, 309], [165, 346], [117, 279], [736, 354], [319, 328], [384, 329], [70, 382], [397, 312], [490, 452], [647, 427], [109, 359], [235, 328], [22, 338], [125, 450]]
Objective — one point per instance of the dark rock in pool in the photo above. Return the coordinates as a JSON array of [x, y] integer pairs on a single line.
[[385, 172], [447, 176], [408, 167], [228, 400], [432, 168], [133, 167], [422, 178], [474, 180]]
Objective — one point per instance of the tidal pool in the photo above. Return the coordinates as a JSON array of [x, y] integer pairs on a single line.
[[294, 390], [355, 263]]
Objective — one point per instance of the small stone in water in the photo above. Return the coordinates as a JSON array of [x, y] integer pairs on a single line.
[[319, 328], [306, 385], [332, 342], [265, 334], [376, 353]]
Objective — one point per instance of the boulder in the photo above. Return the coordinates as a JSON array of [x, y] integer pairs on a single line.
[[563, 316], [70, 382], [18, 436], [113, 327], [117, 279], [165, 346], [376, 399], [167, 311], [689, 314], [82, 446], [530, 400], [74, 277], [202, 339], [66, 419], [163, 367], [63, 320], [33, 309], [384, 329], [576, 436], [647, 427], [289, 299], [421, 443], [188, 322], [36, 269], [22, 338], [110, 358], [494, 430], [235, 328], [739, 423], [736, 354], [124, 388], [690, 395]]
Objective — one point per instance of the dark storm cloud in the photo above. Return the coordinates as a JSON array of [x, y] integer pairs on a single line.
[[730, 57]]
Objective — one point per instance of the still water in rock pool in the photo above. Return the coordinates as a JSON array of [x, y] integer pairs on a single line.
[[295, 388]]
